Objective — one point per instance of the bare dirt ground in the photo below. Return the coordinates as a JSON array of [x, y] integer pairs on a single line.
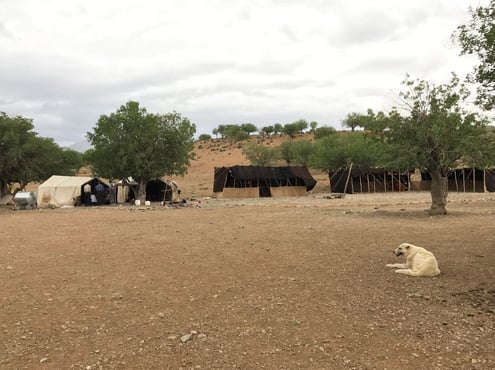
[[295, 283]]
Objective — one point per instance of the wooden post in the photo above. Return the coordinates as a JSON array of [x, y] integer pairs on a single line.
[[347, 180], [474, 180], [484, 180]]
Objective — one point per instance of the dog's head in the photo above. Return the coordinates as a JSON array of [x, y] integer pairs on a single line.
[[402, 249]]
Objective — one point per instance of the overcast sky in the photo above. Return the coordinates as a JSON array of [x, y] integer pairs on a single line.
[[64, 63]]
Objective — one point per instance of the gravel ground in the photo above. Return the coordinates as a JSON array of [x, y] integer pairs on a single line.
[[292, 283]]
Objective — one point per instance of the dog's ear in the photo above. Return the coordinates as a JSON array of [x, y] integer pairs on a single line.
[[407, 246]]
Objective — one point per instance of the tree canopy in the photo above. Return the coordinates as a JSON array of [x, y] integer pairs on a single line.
[[478, 37], [26, 157], [436, 135], [134, 143], [341, 150]]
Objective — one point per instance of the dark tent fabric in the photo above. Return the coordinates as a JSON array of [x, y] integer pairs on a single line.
[[490, 180], [367, 181], [253, 176]]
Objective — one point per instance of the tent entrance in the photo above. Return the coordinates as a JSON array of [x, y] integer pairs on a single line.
[[264, 189]]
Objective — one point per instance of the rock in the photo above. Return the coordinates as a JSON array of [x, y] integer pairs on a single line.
[[186, 338], [414, 295], [43, 360]]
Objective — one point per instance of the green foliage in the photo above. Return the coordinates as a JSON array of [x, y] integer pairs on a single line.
[[234, 133], [313, 125], [291, 129], [438, 131], [296, 152], [249, 128], [26, 157], [145, 146], [259, 155], [353, 120], [323, 131], [334, 152], [204, 137], [277, 128], [478, 37], [267, 130]]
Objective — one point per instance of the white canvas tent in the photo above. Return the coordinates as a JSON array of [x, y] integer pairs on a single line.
[[59, 191]]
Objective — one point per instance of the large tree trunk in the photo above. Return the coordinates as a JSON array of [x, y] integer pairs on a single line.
[[141, 195], [439, 192]]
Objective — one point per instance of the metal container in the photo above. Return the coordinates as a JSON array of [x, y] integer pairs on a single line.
[[25, 200]]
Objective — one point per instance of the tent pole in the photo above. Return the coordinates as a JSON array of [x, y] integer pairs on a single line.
[[484, 180], [456, 182], [347, 180], [474, 180]]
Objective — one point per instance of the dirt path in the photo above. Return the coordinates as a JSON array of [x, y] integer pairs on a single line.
[[295, 283]]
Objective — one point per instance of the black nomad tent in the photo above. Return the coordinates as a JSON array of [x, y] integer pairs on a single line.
[[374, 180], [461, 180], [257, 182]]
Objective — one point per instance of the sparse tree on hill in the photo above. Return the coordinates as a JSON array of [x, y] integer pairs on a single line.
[[323, 131], [234, 133], [313, 125], [278, 128], [267, 130], [249, 128], [290, 129], [353, 120]]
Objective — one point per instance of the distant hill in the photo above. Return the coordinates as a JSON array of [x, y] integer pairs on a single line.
[[80, 146]]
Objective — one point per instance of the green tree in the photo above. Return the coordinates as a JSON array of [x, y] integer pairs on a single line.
[[313, 125], [334, 152], [296, 152], [353, 120], [323, 131], [249, 128], [478, 37], [258, 155], [277, 128], [26, 157], [204, 137], [436, 134], [267, 130], [221, 130], [301, 125], [234, 133], [134, 143], [290, 129]]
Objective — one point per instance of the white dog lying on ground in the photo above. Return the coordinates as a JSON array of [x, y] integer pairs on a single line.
[[419, 261]]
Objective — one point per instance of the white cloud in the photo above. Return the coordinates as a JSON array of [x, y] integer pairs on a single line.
[[66, 63]]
